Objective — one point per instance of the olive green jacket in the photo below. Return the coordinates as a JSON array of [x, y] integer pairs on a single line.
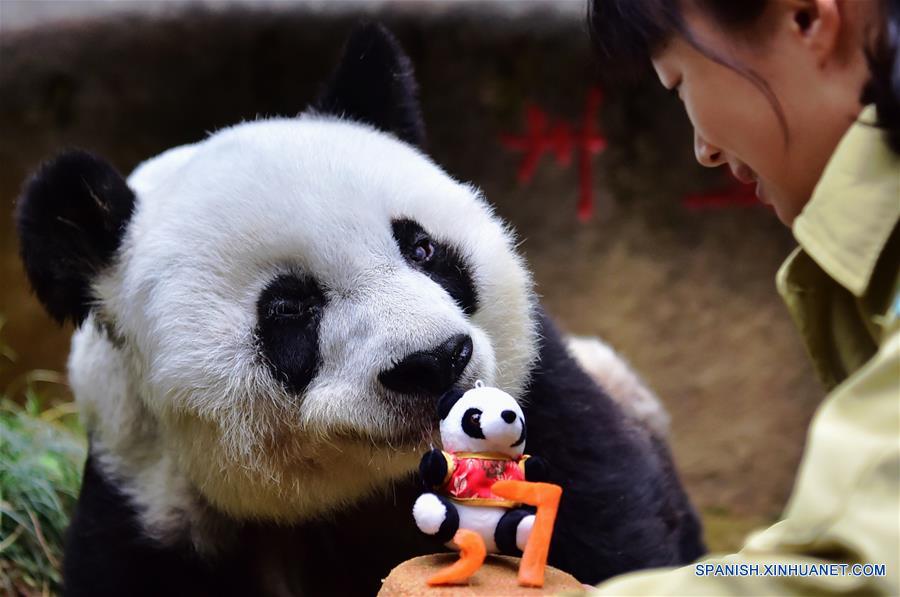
[[842, 287]]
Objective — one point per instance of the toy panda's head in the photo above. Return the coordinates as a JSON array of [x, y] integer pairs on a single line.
[[482, 419], [268, 317]]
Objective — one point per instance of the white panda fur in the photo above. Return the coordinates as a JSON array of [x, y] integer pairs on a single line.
[[193, 376], [205, 471]]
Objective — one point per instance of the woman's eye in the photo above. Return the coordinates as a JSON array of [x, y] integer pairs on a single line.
[[423, 251]]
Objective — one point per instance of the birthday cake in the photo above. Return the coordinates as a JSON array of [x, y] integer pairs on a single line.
[[497, 576]]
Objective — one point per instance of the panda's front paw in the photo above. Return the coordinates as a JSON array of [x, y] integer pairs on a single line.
[[436, 516]]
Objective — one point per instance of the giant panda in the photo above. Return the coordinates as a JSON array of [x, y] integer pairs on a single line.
[[266, 320]]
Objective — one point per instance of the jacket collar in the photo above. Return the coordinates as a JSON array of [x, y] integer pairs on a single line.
[[854, 208]]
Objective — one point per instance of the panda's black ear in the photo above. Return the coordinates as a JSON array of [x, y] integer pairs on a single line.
[[71, 218], [447, 401], [374, 84]]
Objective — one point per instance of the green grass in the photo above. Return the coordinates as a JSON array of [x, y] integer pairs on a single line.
[[42, 449]]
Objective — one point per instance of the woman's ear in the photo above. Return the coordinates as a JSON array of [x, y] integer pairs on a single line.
[[819, 24]]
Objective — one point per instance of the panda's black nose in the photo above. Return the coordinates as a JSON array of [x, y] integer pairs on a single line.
[[508, 416], [430, 371]]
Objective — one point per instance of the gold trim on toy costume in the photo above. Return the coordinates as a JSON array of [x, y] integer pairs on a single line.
[[485, 502], [486, 456], [451, 466]]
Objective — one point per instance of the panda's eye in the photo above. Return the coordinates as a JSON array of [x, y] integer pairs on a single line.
[[437, 259], [291, 298], [423, 250], [290, 308]]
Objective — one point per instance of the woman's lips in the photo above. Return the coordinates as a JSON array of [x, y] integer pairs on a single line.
[[762, 194], [746, 175]]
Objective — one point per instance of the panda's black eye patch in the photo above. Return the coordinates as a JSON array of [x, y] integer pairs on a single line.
[[471, 423], [440, 262], [288, 313]]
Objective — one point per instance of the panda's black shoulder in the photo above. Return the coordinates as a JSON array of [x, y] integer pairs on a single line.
[[107, 553], [559, 384], [570, 415], [623, 506]]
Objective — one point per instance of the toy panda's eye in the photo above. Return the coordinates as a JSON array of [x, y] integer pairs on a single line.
[[471, 423], [423, 250]]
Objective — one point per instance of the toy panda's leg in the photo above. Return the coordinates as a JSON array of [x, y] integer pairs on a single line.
[[513, 530], [483, 520], [436, 516]]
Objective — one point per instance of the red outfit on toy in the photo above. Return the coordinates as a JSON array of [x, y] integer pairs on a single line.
[[470, 477]]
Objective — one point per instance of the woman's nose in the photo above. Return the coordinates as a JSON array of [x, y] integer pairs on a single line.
[[707, 155]]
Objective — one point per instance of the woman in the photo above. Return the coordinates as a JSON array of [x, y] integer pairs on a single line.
[[802, 97]]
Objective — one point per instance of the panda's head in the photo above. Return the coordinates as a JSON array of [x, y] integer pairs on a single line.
[[276, 309], [482, 419]]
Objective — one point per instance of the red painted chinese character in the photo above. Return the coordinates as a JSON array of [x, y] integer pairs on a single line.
[[561, 141]]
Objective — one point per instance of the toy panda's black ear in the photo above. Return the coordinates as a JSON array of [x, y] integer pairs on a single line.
[[71, 218], [374, 84], [447, 401]]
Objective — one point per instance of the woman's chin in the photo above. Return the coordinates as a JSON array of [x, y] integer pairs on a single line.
[[772, 200]]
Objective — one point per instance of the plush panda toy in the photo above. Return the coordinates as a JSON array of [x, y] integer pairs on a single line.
[[265, 322], [483, 436]]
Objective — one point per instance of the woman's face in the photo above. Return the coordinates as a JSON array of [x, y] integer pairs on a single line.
[[736, 124]]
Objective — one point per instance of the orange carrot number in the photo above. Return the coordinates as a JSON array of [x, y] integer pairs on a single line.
[[545, 496], [471, 556]]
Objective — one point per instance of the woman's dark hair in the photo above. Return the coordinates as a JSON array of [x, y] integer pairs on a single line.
[[883, 89], [626, 34]]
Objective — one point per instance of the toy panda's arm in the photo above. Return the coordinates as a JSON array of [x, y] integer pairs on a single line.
[[434, 468], [536, 469]]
